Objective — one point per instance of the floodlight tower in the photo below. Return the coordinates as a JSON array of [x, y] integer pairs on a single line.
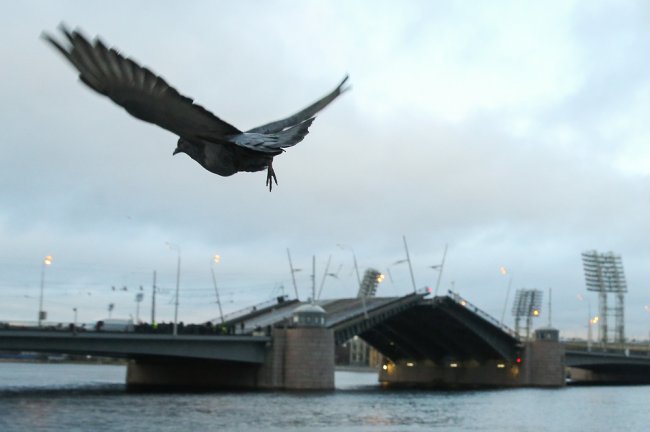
[[604, 274], [371, 278], [527, 304]]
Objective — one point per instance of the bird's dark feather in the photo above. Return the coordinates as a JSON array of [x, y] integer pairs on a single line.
[[218, 146], [142, 93], [304, 114]]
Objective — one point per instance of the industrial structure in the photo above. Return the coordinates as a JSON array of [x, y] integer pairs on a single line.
[[368, 286], [604, 275], [528, 305]]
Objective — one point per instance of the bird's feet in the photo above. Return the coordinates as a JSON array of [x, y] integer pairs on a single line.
[[270, 177]]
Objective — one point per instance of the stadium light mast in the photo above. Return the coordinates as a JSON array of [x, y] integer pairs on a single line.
[[604, 275], [527, 304]]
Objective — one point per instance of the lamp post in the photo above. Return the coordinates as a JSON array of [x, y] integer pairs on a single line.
[[647, 309], [138, 299], [590, 320], [354, 258], [504, 272], [178, 282], [47, 261], [74, 325], [216, 260], [390, 275], [293, 274], [408, 259], [440, 267]]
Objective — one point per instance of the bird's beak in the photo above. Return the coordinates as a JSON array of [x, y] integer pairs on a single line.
[[176, 151]]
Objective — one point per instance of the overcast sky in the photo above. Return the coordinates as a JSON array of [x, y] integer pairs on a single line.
[[515, 132]]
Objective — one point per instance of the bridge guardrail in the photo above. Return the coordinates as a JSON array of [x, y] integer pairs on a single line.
[[489, 318], [626, 349], [250, 309]]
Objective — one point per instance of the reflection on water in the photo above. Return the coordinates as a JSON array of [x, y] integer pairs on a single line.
[[44, 397]]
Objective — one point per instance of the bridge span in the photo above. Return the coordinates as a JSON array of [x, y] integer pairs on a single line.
[[436, 342], [138, 346], [615, 364]]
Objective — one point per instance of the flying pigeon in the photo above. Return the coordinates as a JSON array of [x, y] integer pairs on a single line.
[[216, 145]]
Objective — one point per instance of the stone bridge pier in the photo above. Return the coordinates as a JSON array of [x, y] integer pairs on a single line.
[[540, 364], [299, 356]]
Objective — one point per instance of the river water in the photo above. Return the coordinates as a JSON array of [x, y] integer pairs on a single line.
[[70, 397]]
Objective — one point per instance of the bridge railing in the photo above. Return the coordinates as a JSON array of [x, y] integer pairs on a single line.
[[255, 308], [627, 348], [489, 318]]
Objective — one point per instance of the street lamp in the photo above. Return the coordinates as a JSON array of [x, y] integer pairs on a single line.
[[74, 328], [293, 273], [439, 267], [408, 259], [354, 258], [216, 260], [390, 275], [647, 309], [590, 321], [47, 261], [504, 272], [178, 281], [138, 299]]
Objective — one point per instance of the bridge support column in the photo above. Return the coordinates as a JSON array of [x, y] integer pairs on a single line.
[[191, 374], [544, 360], [299, 358], [542, 365], [468, 374], [302, 357], [621, 375]]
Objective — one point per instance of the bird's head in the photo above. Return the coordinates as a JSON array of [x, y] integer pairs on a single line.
[[193, 150], [189, 148], [182, 146]]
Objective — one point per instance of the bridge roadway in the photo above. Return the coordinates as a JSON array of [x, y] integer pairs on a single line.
[[413, 328], [408, 327], [141, 346], [615, 363]]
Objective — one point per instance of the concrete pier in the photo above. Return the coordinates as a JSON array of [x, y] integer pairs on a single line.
[[152, 374], [299, 357], [544, 364], [541, 364]]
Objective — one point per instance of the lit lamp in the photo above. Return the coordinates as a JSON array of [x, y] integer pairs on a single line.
[[47, 261], [647, 309], [590, 321], [216, 260], [178, 282]]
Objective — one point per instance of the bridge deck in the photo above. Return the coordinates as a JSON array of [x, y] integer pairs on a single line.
[[248, 349], [408, 327]]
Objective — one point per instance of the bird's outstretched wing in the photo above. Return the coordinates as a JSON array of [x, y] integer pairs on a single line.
[[274, 143], [143, 94], [299, 117]]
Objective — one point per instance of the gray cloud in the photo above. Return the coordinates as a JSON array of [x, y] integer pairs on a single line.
[[504, 131]]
